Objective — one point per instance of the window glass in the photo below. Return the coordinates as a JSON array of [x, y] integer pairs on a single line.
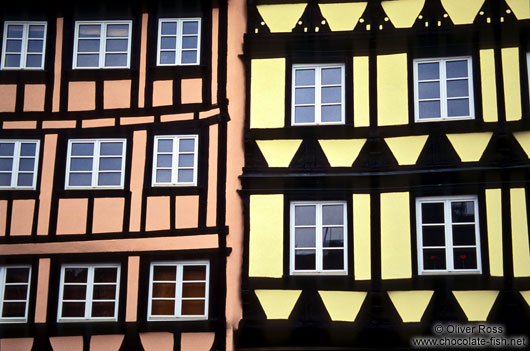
[[175, 160], [18, 164], [24, 44], [14, 293], [179, 41]]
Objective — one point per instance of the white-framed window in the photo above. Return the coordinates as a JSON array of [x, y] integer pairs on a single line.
[[14, 293], [102, 44], [175, 160], [18, 163], [178, 290], [24, 45], [89, 292], [318, 238], [95, 163], [448, 235], [318, 94], [443, 89], [179, 41]]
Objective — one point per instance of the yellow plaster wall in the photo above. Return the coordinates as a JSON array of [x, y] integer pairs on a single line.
[[278, 304], [526, 296], [361, 237], [267, 93], [281, 17], [342, 152], [411, 305], [278, 153], [489, 85], [342, 16], [462, 12], [470, 146], [403, 13], [361, 95], [266, 236], [521, 8], [520, 245], [494, 225], [523, 138], [392, 90], [396, 259], [476, 304], [512, 83], [343, 306], [407, 149]]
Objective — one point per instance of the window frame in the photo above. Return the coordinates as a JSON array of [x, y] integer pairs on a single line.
[[179, 35], [89, 293], [15, 170], [318, 239], [96, 157], [24, 47], [4, 320], [318, 93], [449, 247], [175, 155], [443, 88], [177, 316], [102, 44]]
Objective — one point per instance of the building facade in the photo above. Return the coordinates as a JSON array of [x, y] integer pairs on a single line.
[[385, 185]]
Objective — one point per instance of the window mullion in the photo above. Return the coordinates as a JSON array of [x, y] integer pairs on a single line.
[[318, 97], [95, 163], [24, 46], [89, 293], [443, 88], [16, 164], [178, 291], [175, 158], [3, 286], [449, 237], [102, 44], [178, 54], [318, 238]]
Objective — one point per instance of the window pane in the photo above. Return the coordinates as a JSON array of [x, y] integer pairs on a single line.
[[165, 145], [458, 107], [331, 113], [185, 176], [5, 179], [117, 30], [80, 179], [464, 234], [88, 45], [6, 164], [167, 57], [304, 77], [192, 307], [73, 309], [110, 163], [305, 215], [189, 42], [88, 60], [35, 46], [304, 114], [74, 292], [432, 212], [104, 292], [117, 45], [164, 160], [163, 308], [28, 149], [332, 214], [333, 259], [36, 31], [105, 275], [75, 275], [457, 88], [186, 160], [34, 61], [14, 31], [190, 27], [14, 46], [81, 164], [465, 258], [189, 56], [429, 90], [168, 43], [164, 289], [456, 69], [17, 275], [433, 235], [15, 292], [304, 260], [462, 211], [429, 109], [26, 164], [163, 176], [331, 76], [193, 290], [25, 179], [304, 96], [116, 60], [14, 309], [7, 149], [169, 28], [331, 95], [304, 237], [194, 273], [109, 179], [332, 237], [187, 145], [428, 71], [12, 61], [103, 309], [164, 273], [434, 259], [89, 30]]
